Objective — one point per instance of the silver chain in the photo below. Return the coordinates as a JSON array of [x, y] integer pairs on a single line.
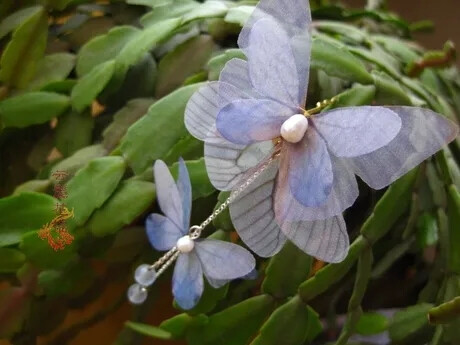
[[195, 231]]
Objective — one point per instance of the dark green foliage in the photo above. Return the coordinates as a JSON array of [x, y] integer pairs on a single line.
[[99, 91]]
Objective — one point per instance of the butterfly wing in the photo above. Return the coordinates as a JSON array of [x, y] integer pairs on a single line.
[[355, 131], [253, 216], [310, 169], [188, 280], [223, 260], [423, 133], [184, 188], [294, 17]]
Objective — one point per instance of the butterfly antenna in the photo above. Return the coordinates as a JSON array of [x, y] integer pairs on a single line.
[[320, 106]]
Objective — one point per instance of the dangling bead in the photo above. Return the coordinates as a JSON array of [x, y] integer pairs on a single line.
[[294, 128], [145, 275], [137, 294], [185, 244]]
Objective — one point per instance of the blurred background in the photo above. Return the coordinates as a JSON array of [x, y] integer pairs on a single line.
[[444, 14]]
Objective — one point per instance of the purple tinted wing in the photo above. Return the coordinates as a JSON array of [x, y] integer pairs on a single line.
[[326, 239], [355, 131], [187, 280], [226, 163], [310, 169], [168, 196], [246, 121], [271, 62], [295, 19], [162, 232], [185, 192], [423, 133], [223, 260], [343, 195], [253, 217], [204, 105], [236, 73]]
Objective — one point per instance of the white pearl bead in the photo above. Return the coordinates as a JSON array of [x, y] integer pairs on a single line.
[[145, 275], [294, 128], [185, 244], [137, 294]]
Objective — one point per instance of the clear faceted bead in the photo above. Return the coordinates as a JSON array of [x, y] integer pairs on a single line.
[[145, 275], [137, 294]]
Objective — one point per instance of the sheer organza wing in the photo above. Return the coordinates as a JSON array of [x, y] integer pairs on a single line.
[[271, 63], [187, 280], [294, 17], [168, 195], [204, 105], [246, 121], [226, 162], [253, 216], [355, 131], [310, 169], [162, 232], [236, 73], [184, 188], [423, 133], [343, 194], [223, 260], [325, 239]]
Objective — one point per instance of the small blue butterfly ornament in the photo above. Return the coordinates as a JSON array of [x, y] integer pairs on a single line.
[[218, 261], [253, 121]]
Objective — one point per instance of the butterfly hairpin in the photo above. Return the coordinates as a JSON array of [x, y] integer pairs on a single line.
[[218, 261], [301, 164]]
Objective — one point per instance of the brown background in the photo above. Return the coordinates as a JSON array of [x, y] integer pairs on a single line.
[[444, 13]]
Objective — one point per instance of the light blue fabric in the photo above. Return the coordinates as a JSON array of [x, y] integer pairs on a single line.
[[162, 232], [187, 280], [184, 188], [248, 120]]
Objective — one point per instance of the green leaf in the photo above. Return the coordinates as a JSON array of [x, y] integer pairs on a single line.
[[92, 186], [27, 46], [220, 328], [189, 148], [408, 321], [399, 48], [290, 324], [156, 133], [124, 118], [357, 95], [32, 108], [167, 9], [72, 281], [279, 281], [427, 230], [453, 207], [23, 213], [380, 58], [79, 159], [15, 19], [40, 253], [103, 48], [371, 323], [141, 43], [177, 325], [338, 62], [91, 85], [40, 186], [208, 9], [52, 68], [201, 186], [346, 31], [129, 201], [73, 132], [223, 220], [148, 330], [209, 299], [217, 63], [389, 91], [11, 260], [186, 59], [239, 14]]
